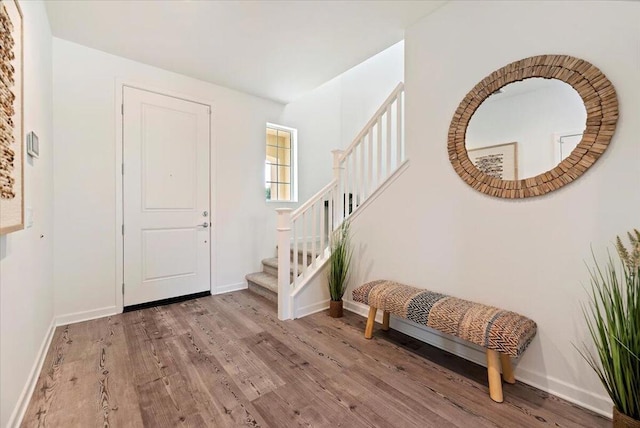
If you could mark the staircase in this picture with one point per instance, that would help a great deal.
(265, 283)
(372, 161)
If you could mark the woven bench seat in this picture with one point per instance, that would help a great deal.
(502, 333)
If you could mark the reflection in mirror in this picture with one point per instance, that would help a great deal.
(544, 117)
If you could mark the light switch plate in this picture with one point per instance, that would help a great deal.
(33, 145)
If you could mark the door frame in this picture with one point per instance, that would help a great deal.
(557, 158)
(120, 84)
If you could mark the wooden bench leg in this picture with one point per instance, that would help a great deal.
(385, 320)
(507, 369)
(368, 331)
(493, 371)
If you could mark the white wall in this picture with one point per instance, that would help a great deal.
(26, 258)
(530, 119)
(85, 175)
(331, 116)
(432, 230)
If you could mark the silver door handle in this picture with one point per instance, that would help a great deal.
(205, 224)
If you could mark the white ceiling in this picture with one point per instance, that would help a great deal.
(274, 49)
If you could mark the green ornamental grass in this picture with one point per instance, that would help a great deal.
(340, 261)
(613, 318)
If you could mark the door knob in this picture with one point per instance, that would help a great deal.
(205, 224)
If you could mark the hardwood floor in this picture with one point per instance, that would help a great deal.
(227, 360)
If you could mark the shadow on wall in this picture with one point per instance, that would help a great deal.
(3, 247)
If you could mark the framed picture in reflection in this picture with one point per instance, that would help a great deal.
(499, 161)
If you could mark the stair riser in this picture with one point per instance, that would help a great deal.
(261, 291)
(270, 270)
(274, 271)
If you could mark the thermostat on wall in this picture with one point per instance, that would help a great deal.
(33, 145)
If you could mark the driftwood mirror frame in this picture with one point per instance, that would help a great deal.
(600, 101)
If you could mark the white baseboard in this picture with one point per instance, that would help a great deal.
(600, 404)
(360, 309)
(572, 393)
(86, 315)
(23, 401)
(229, 288)
(311, 309)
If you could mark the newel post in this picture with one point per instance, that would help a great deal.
(339, 199)
(284, 264)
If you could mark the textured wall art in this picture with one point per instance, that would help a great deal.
(499, 161)
(11, 133)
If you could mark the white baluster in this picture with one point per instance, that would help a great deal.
(363, 183)
(356, 174)
(388, 171)
(338, 175)
(347, 184)
(357, 184)
(354, 189)
(323, 219)
(313, 235)
(379, 136)
(284, 248)
(304, 244)
(349, 169)
(399, 130)
(295, 225)
(370, 151)
(332, 198)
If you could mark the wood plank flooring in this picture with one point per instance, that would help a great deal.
(227, 361)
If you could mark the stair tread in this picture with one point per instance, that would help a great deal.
(265, 280)
(273, 262)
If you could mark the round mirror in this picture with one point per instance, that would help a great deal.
(532, 126)
(525, 128)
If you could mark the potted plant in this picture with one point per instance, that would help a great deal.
(613, 318)
(339, 263)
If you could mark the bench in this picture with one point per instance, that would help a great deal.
(503, 334)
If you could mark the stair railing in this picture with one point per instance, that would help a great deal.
(358, 171)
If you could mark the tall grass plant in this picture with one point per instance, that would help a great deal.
(613, 319)
(340, 262)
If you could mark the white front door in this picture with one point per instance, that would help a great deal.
(165, 197)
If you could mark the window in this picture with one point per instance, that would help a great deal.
(280, 164)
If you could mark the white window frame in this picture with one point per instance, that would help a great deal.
(293, 163)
